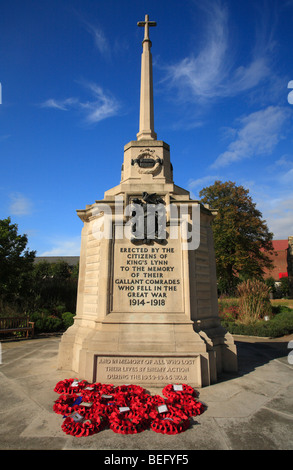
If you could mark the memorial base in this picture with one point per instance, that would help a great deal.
(147, 354)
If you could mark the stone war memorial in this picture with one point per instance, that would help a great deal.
(147, 307)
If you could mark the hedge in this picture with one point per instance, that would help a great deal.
(280, 324)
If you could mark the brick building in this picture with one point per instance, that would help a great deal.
(282, 259)
(279, 259)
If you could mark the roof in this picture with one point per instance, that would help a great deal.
(280, 245)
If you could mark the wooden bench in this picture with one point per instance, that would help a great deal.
(13, 324)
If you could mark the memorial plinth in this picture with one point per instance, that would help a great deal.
(147, 309)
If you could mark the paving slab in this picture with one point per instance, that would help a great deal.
(249, 410)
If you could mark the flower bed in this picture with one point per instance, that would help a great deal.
(280, 322)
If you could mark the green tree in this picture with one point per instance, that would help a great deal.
(284, 287)
(54, 285)
(16, 263)
(75, 272)
(60, 270)
(270, 282)
(242, 239)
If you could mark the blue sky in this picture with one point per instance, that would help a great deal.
(70, 76)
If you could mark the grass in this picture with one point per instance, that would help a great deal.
(284, 302)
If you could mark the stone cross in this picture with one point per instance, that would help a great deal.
(146, 114)
(146, 23)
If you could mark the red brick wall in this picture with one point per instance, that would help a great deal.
(279, 259)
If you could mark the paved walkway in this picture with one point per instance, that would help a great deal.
(250, 410)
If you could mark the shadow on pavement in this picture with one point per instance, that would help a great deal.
(253, 353)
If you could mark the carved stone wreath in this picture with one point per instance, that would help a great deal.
(147, 162)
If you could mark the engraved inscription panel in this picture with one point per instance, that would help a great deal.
(147, 278)
(147, 369)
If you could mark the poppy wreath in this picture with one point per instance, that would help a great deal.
(128, 422)
(89, 407)
(93, 388)
(171, 412)
(106, 406)
(85, 407)
(68, 386)
(169, 391)
(85, 427)
(141, 408)
(155, 400)
(107, 389)
(121, 399)
(94, 392)
(188, 404)
(130, 389)
(65, 403)
(140, 398)
(96, 386)
(170, 422)
(90, 395)
(98, 409)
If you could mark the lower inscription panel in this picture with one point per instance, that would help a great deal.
(147, 370)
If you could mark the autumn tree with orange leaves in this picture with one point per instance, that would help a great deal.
(241, 236)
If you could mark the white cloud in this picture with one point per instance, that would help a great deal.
(274, 198)
(200, 182)
(202, 74)
(99, 37)
(196, 185)
(64, 105)
(245, 78)
(20, 205)
(258, 134)
(279, 214)
(288, 176)
(64, 247)
(212, 73)
(100, 40)
(101, 106)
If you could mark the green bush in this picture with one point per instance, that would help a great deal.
(284, 286)
(52, 323)
(45, 322)
(270, 282)
(67, 319)
(281, 309)
(279, 325)
(59, 309)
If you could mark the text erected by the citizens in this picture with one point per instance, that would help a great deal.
(147, 278)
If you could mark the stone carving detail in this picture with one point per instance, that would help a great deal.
(150, 232)
(147, 162)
